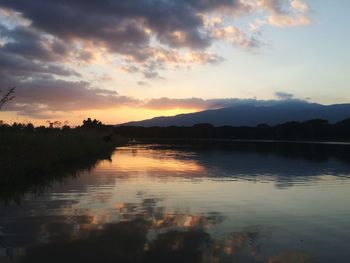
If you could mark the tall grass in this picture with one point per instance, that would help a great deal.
(36, 158)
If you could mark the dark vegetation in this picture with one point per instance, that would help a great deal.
(312, 130)
(32, 157)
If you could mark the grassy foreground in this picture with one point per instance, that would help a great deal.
(37, 158)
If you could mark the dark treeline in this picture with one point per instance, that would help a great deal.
(57, 126)
(313, 130)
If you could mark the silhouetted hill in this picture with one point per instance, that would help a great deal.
(254, 113)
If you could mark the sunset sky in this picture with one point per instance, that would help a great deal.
(129, 60)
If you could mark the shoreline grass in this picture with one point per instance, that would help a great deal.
(32, 160)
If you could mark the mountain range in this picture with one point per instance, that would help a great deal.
(250, 113)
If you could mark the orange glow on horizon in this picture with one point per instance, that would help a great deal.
(107, 116)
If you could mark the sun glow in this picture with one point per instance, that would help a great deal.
(111, 116)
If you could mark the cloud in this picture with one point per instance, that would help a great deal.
(162, 58)
(284, 96)
(32, 44)
(206, 104)
(300, 6)
(295, 16)
(286, 20)
(27, 53)
(235, 36)
(15, 65)
(282, 14)
(120, 25)
(76, 30)
(142, 83)
(168, 103)
(42, 97)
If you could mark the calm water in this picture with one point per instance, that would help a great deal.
(166, 204)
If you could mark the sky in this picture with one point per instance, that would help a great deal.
(128, 60)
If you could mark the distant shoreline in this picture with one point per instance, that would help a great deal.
(312, 131)
(141, 140)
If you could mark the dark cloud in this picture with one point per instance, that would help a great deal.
(168, 103)
(16, 65)
(125, 27)
(203, 104)
(41, 97)
(32, 44)
(284, 96)
(120, 24)
(28, 53)
(138, 30)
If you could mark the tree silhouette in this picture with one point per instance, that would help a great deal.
(91, 124)
(8, 96)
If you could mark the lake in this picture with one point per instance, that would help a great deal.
(261, 202)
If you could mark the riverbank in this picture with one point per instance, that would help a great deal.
(35, 158)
